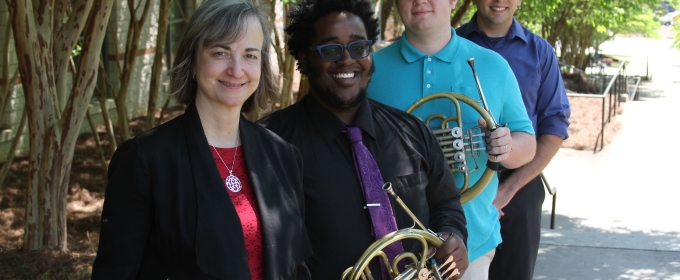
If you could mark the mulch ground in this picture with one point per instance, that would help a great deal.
(586, 123)
(86, 197)
(84, 205)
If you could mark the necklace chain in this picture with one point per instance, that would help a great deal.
(232, 182)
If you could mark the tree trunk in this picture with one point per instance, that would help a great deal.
(287, 87)
(52, 135)
(385, 11)
(5, 89)
(157, 69)
(559, 24)
(460, 13)
(7, 93)
(276, 43)
(132, 43)
(37, 88)
(288, 70)
(101, 96)
(95, 135)
(64, 42)
(12, 149)
(585, 36)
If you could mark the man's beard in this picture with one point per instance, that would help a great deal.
(330, 98)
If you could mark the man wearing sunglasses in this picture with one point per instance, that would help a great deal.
(332, 44)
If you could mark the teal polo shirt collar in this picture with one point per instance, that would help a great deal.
(411, 54)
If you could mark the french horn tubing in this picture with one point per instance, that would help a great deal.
(453, 140)
(420, 267)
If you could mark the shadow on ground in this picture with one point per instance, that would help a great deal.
(575, 251)
(602, 263)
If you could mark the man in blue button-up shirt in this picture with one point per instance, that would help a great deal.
(520, 193)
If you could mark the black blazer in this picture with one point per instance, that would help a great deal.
(167, 213)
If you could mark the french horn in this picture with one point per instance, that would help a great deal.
(459, 144)
(420, 267)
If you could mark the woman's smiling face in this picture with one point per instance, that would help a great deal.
(229, 74)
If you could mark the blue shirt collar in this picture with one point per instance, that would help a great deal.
(516, 29)
(411, 54)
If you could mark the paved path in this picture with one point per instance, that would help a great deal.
(618, 209)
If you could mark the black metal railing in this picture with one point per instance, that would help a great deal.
(616, 86)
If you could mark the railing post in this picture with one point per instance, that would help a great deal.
(612, 88)
(617, 90)
(553, 193)
(647, 73)
(602, 128)
(622, 86)
(609, 95)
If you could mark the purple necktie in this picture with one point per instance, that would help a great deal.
(371, 181)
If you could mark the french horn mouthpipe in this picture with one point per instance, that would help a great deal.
(471, 62)
(490, 164)
(387, 187)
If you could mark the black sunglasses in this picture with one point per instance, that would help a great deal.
(333, 52)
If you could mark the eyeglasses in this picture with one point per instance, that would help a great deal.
(333, 52)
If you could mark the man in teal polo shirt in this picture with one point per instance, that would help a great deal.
(431, 58)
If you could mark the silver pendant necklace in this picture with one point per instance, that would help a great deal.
(232, 182)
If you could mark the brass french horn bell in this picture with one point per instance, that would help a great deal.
(420, 267)
(458, 144)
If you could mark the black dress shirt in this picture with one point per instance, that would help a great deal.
(407, 154)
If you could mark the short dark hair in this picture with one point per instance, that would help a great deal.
(222, 21)
(308, 12)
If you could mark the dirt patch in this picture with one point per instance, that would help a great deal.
(84, 206)
(586, 123)
(86, 197)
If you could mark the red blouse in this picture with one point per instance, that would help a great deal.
(246, 206)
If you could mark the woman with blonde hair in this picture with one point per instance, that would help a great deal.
(209, 195)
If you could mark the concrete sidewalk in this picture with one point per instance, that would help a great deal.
(616, 210)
